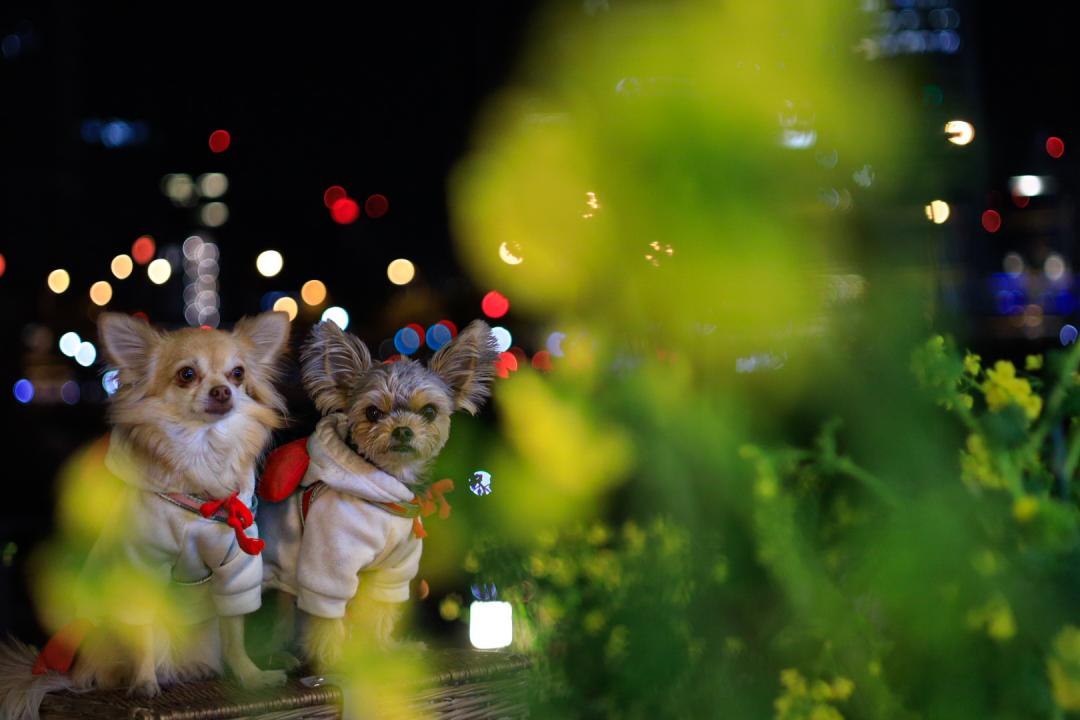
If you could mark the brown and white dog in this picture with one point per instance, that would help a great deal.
(348, 542)
(193, 413)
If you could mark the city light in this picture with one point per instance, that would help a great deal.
(288, 306)
(401, 271)
(313, 292)
(220, 141)
(937, 211)
(959, 132)
(214, 214)
(1029, 185)
(1055, 147)
(143, 249)
(86, 354)
(344, 211)
(991, 221)
(69, 343)
(336, 315)
(159, 271)
(101, 293)
(121, 266)
(269, 263)
(213, 185)
(59, 280)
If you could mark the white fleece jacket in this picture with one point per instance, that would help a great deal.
(196, 558)
(346, 541)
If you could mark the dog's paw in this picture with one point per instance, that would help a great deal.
(284, 660)
(262, 678)
(145, 688)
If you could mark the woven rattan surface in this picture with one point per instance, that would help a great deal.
(463, 684)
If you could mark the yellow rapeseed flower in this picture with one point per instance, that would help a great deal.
(1033, 363)
(1063, 666)
(972, 364)
(976, 467)
(1025, 508)
(1003, 388)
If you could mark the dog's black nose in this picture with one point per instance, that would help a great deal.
(220, 393)
(402, 434)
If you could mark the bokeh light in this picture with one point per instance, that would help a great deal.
(59, 280)
(1028, 185)
(1054, 267)
(437, 336)
(213, 185)
(991, 221)
(288, 306)
(554, 343)
(101, 293)
(110, 381)
(1068, 334)
(959, 132)
(1013, 263)
(69, 343)
(542, 361)
(419, 330)
(400, 271)
(214, 214)
(336, 315)
(24, 390)
(495, 304)
(449, 325)
(220, 141)
(313, 292)
(70, 393)
(937, 211)
(159, 271)
(344, 211)
(376, 206)
(406, 341)
(179, 188)
(1055, 147)
(508, 256)
(480, 483)
(121, 266)
(269, 263)
(86, 354)
(143, 249)
(503, 338)
(3, 264)
(332, 194)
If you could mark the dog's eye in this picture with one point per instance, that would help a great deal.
(238, 373)
(373, 414)
(185, 375)
(429, 413)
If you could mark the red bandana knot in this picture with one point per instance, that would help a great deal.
(239, 518)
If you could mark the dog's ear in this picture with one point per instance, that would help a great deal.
(128, 343)
(265, 335)
(467, 365)
(330, 362)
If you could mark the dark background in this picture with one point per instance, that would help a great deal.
(380, 98)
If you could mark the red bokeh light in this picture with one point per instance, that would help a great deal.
(520, 354)
(506, 364)
(542, 361)
(141, 316)
(449, 326)
(1055, 147)
(345, 211)
(3, 264)
(143, 249)
(495, 304)
(991, 221)
(376, 206)
(419, 331)
(1020, 201)
(392, 359)
(332, 195)
(219, 141)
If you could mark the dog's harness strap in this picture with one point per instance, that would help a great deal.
(231, 511)
(402, 509)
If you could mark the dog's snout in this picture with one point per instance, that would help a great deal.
(402, 434)
(220, 393)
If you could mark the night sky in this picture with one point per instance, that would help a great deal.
(377, 98)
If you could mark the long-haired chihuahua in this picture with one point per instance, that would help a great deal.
(194, 410)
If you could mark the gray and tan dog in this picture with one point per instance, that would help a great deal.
(348, 541)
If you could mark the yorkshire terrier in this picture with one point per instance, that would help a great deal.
(347, 543)
(193, 412)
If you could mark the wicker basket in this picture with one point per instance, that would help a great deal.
(465, 684)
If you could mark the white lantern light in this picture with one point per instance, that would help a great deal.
(491, 624)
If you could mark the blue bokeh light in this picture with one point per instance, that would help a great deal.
(406, 341)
